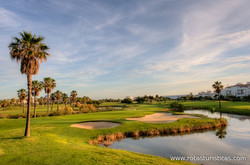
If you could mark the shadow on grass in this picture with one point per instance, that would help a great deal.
(8, 138)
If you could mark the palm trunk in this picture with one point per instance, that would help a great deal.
(219, 101)
(23, 107)
(57, 105)
(34, 106)
(48, 103)
(27, 129)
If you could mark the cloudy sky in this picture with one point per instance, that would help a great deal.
(115, 48)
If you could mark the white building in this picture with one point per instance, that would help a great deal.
(206, 94)
(238, 90)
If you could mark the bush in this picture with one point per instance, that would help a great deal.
(212, 109)
(78, 104)
(177, 107)
(127, 100)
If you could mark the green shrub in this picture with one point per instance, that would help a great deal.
(212, 109)
(177, 107)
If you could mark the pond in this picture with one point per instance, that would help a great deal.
(218, 145)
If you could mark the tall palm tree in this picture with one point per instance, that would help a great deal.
(29, 50)
(52, 98)
(65, 98)
(218, 87)
(22, 94)
(48, 85)
(37, 87)
(73, 98)
(58, 95)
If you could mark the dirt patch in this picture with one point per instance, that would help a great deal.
(96, 125)
(162, 118)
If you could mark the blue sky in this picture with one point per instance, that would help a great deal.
(115, 48)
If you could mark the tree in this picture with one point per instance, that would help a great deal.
(221, 133)
(127, 101)
(5, 103)
(73, 98)
(53, 98)
(48, 85)
(12, 101)
(29, 50)
(37, 87)
(22, 94)
(65, 98)
(41, 101)
(140, 99)
(218, 87)
(58, 95)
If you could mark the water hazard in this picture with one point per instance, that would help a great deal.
(227, 143)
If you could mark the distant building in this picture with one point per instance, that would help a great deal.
(206, 94)
(238, 90)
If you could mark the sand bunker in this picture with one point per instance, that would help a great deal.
(161, 118)
(96, 125)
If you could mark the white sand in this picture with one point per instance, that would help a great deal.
(96, 125)
(161, 118)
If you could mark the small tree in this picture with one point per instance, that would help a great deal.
(218, 87)
(22, 94)
(12, 101)
(58, 95)
(65, 98)
(127, 101)
(37, 87)
(73, 98)
(53, 99)
(48, 85)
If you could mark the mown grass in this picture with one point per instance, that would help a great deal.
(241, 108)
(53, 141)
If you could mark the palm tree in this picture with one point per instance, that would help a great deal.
(53, 98)
(65, 98)
(29, 50)
(218, 87)
(41, 101)
(36, 89)
(22, 94)
(221, 133)
(58, 95)
(73, 98)
(48, 84)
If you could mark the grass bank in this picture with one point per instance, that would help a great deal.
(240, 108)
(53, 141)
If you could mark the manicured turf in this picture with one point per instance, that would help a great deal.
(53, 141)
(241, 108)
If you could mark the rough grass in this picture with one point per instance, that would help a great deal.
(53, 141)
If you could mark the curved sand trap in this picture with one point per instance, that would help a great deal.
(162, 118)
(96, 125)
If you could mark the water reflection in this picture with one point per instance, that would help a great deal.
(231, 141)
(221, 133)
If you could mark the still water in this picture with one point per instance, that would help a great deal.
(231, 141)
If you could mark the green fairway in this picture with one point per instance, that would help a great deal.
(53, 141)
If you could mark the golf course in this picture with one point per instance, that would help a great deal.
(54, 141)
